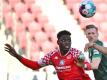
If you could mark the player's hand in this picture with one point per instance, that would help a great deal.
(10, 50)
(80, 64)
(81, 57)
(88, 45)
(80, 60)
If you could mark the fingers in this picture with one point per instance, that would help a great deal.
(8, 45)
(86, 48)
(8, 48)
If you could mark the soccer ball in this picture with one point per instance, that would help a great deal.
(87, 9)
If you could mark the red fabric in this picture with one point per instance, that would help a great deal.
(65, 65)
(86, 77)
(88, 66)
(31, 64)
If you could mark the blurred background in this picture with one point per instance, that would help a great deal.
(31, 27)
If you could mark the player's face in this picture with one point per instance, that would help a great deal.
(64, 42)
(92, 34)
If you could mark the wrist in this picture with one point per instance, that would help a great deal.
(18, 57)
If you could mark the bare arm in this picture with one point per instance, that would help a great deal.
(28, 63)
(95, 63)
(95, 60)
(96, 46)
(100, 48)
(12, 51)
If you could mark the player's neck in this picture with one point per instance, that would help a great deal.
(63, 52)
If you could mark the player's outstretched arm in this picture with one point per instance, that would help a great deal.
(28, 63)
(96, 46)
(12, 51)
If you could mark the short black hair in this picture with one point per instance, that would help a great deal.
(91, 26)
(63, 32)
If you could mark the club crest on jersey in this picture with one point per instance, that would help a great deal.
(61, 62)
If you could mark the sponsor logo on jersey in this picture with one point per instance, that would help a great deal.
(63, 68)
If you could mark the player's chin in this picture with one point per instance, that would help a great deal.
(92, 40)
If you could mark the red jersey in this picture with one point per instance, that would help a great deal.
(65, 66)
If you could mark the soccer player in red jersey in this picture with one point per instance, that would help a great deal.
(68, 62)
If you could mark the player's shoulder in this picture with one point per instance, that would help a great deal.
(53, 52)
(74, 50)
(99, 42)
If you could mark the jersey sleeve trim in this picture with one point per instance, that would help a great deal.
(97, 55)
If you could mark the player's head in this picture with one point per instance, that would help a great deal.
(64, 40)
(91, 32)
